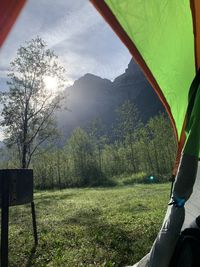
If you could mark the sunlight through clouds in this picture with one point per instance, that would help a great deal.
(51, 83)
(77, 34)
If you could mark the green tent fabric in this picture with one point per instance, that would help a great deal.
(163, 33)
(163, 38)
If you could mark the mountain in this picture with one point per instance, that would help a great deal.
(91, 96)
(133, 85)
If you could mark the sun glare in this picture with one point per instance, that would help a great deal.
(51, 83)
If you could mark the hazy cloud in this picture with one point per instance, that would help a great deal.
(77, 33)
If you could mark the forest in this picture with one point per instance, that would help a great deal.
(128, 150)
(127, 153)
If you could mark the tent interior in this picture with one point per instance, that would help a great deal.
(192, 211)
(192, 206)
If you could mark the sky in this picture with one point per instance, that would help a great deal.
(76, 32)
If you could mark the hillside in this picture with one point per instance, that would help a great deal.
(92, 96)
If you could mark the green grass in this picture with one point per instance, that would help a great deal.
(88, 227)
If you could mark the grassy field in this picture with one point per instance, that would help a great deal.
(88, 227)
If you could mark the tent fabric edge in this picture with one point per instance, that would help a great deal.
(195, 6)
(192, 7)
(105, 11)
(179, 150)
(11, 16)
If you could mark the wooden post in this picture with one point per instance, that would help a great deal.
(34, 223)
(4, 220)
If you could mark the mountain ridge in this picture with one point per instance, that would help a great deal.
(92, 96)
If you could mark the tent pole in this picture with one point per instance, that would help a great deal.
(172, 180)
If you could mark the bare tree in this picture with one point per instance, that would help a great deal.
(29, 104)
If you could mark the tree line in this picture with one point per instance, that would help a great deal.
(126, 152)
(129, 152)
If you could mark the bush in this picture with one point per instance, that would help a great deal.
(130, 179)
(93, 177)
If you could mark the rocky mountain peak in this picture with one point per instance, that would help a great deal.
(92, 96)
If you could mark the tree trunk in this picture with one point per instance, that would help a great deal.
(58, 169)
(156, 158)
(99, 156)
(24, 152)
(24, 143)
(132, 155)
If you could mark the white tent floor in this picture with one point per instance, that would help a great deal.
(192, 206)
(192, 210)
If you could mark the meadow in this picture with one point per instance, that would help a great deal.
(88, 227)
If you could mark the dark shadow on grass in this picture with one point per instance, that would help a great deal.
(62, 196)
(31, 257)
(52, 198)
(134, 209)
(117, 243)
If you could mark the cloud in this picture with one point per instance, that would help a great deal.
(77, 33)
